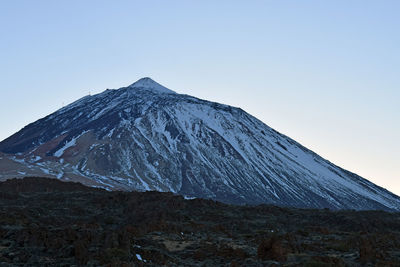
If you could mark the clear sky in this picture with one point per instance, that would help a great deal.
(325, 73)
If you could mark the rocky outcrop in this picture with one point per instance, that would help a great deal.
(46, 222)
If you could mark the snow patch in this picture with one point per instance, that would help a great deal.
(69, 144)
(46, 171)
(61, 151)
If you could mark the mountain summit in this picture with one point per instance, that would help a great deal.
(150, 84)
(147, 137)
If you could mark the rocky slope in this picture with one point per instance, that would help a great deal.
(45, 222)
(147, 137)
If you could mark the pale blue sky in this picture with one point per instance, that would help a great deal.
(326, 73)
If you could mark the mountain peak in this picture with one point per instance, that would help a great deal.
(145, 137)
(150, 84)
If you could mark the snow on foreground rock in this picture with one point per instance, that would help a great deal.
(147, 137)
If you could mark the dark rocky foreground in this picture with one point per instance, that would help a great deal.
(45, 222)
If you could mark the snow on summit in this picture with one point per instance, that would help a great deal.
(147, 137)
(150, 84)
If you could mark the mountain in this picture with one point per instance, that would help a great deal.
(147, 137)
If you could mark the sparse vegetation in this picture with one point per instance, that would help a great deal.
(45, 222)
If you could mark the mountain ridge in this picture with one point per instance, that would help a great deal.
(152, 138)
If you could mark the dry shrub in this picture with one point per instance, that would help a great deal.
(272, 249)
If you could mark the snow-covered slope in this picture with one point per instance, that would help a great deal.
(147, 137)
